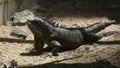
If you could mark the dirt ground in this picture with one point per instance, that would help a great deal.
(103, 54)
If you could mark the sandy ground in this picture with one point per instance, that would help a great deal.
(104, 54)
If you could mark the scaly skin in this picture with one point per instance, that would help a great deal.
(63, 38)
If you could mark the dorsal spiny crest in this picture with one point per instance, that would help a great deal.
(57, 24)
(62, 26)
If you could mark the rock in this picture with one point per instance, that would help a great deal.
(19, 33)
(20, 18)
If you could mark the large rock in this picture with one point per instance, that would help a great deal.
(18, 33)
(20, 18)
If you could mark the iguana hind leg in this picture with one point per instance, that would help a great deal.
(104, 34)
(98, 27)
(90, 38)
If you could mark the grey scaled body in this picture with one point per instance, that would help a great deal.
(64, 38)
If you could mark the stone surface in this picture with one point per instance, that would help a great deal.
(18, 33)
(21, 17)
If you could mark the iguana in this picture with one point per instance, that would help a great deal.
(64, 38)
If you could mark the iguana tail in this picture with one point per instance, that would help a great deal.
(98, 27)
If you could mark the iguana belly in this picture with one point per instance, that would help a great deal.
(68, 38)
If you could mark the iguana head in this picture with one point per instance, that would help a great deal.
(35, 22)
(40, 24)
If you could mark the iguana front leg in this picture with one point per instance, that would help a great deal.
(38, 45)
(56, 46)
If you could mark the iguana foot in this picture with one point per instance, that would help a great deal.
(55, 51)
(55, 54)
